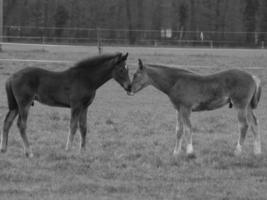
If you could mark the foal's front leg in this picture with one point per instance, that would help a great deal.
(179, 134)
(184, 124)
(75, 113)
(186, 112)
(83, 129)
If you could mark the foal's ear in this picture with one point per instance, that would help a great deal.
(120, 58)
(123, 58)
(140, 63)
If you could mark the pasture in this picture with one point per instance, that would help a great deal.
(131, 138)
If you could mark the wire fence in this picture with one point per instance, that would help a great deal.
(155, 38)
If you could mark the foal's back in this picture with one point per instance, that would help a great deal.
(35, 75)
(32, 83)
(208, 92)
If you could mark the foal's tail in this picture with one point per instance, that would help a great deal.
(12, 103)
(257, 94)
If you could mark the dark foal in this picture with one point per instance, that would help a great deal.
(73, 88)
(189, 92)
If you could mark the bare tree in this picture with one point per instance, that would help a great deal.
(251, 8)
(263, 21)
(131, 35)
(183, 16)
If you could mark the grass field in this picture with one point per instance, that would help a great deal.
(131, 139)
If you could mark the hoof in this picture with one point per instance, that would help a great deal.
(257, 153)
(29, 154)
(82, 151)
(176, 153)
(67, 149)
(3, 150)
(237, 152)
(191, 156)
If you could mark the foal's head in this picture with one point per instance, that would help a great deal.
(121, 72)
(140, 79)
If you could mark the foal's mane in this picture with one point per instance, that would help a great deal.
(94, 62)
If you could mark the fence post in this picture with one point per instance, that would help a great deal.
(211, 44)
(262, 44)
(99, 42)
(43, 43)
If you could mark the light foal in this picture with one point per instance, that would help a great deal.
(191, 92)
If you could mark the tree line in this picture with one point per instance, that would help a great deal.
(239, 21)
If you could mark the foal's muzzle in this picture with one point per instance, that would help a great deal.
(128, 89)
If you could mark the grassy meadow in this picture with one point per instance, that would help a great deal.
(130, 139)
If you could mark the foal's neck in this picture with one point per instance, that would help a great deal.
(95, 77)
(160, 79)
(103, 75)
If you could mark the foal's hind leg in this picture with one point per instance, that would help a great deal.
(243, 128)
(75, 113)
(11, 115)
(254, 127)
(22, 125)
